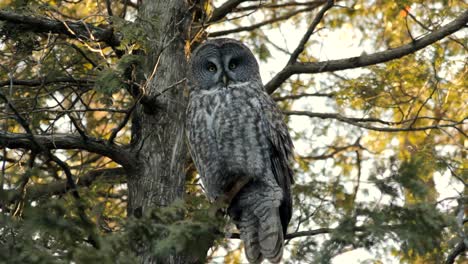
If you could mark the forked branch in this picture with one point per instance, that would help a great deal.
(367, 59)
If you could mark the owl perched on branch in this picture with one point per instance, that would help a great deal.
(240, 145)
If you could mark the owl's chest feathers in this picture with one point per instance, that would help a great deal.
(215, 104)
(224, 108)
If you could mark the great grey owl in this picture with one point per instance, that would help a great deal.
(238, 139)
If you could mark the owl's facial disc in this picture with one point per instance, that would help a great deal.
(223, 63)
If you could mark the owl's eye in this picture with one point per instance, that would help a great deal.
(211, 67)
(232, 65)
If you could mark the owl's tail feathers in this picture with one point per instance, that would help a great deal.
(262, 234)
(248, 227)
(270, 235)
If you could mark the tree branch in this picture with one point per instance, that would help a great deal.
(301, 46)
(46, 81)
(37, 191)
(68, 28)
(335, 151)
(367, 59)
(69, 141)
(298, 96)
(274, 5)
(460, 248)
(122, 124)
(226, 8)
(109, 8)
(360, 122)
(266, 22)
(313, 232)
(39, 148)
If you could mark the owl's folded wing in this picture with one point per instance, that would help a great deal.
(281, 148)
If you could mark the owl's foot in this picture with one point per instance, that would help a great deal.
(224, 201)
(234, 189)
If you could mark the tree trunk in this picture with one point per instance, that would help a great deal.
(160, 141)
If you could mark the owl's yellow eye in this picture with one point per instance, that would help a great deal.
(232, 65)
(211, 67)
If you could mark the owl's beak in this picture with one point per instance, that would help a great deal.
(225, 80)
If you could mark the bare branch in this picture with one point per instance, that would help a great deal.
(459, 249)
(361, 122)
(78, 126)
(274, 5)
(68, 28)
(297, 96)
(122, 124)
(300, 47)
(367, 59)
(313, 232)
(258, 25)
(46, 81)
(82, 53)
(295, 234)
(335, 151)
(226, 8)
(23, 122)
(39, 148)
(109, 8)
(51, 110)
(19, 203)
(68, 141)
(309, 233)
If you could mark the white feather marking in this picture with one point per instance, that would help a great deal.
(238, 85)
(211, 91)
(217, 93)
(223, 89)
(210, 116)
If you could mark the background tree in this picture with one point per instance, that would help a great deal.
(94, 161)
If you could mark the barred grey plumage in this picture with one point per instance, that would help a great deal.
(235, 130)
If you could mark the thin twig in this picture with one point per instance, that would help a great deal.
(297, 96)
(301, 46)
(125, 120)
(71, 184)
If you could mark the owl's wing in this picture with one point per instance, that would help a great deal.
(193, 134)
(281, 148)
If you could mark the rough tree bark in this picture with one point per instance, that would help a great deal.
(160, 145)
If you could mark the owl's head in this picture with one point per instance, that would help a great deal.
(221, 63)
